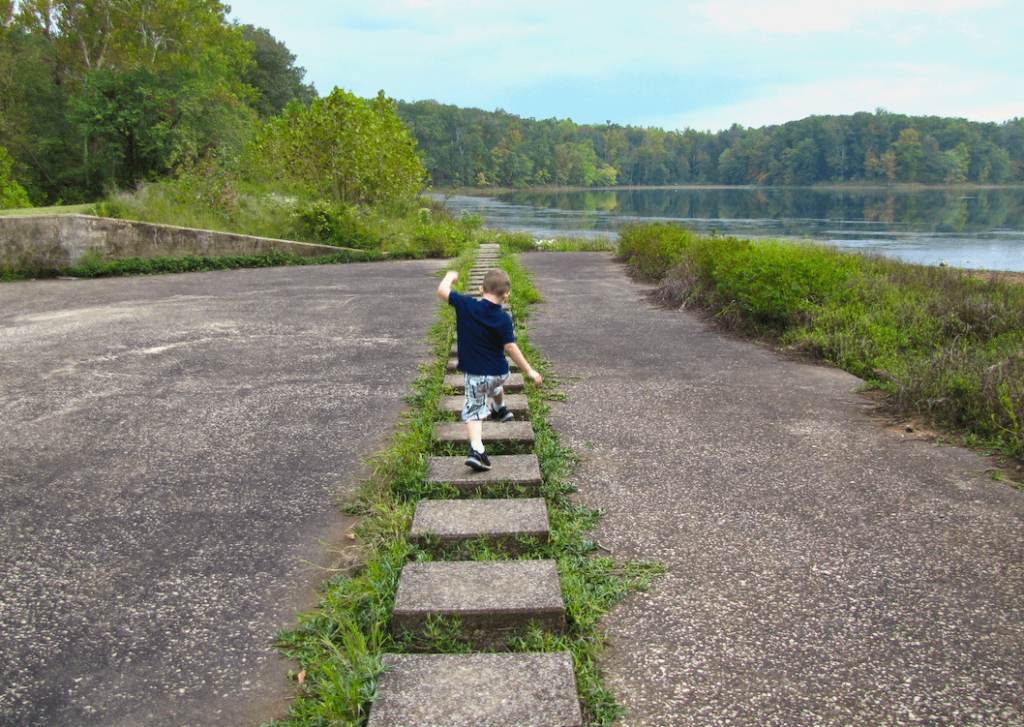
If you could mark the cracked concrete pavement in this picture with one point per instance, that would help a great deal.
(169, 449)
(820, 569)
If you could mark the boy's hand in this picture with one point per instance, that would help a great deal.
(446, 285)
(513, 352)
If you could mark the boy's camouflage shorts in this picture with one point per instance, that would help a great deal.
(478, 388)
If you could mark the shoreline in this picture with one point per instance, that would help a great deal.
(828, 187)
(1006, 276)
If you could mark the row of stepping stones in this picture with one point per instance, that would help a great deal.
(493, 600)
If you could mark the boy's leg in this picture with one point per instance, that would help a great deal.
(474, 411)
(499, 412)
(475, 429)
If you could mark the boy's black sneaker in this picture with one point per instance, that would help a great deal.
(502, 414)
(478, 460)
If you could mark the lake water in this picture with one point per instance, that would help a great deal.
(977, 228)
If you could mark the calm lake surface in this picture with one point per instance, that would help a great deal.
(978, 228)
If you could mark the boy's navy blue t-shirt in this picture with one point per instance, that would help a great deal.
(483, 329)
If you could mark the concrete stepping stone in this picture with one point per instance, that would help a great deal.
(516, 403)
(513, 384)
(452, 521)
(494, 600)
(492, 432)
(517, 469)
(477, 690)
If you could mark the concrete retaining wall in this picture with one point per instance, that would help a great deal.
(59, 241)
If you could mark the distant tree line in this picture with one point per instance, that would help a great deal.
(101, 94)
(471, 147)
(97, 95)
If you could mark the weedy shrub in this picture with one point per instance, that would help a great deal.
(944, 344)
(651, 249)
(327, 223)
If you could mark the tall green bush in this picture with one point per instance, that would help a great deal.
(342, 147)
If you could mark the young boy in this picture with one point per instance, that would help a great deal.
(485, 335)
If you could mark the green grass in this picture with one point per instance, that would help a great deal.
(211, 198)
(409, 229)
(944, 345)
(338, 646)
(80, 209)
(94, 267)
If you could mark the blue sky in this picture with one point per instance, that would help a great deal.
(702, 64)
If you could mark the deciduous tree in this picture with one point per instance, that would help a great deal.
(344, 147)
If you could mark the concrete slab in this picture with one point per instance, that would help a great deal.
(513, 384)
(517, 404)
(519, 469)
(494, 600)
(493, 432)
(454, 520)
(477, 690)
(170, 447)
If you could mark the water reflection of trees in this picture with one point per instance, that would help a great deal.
(935, 210)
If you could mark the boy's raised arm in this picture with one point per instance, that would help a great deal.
(446, 285)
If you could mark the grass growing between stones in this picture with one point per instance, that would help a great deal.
(339, 645)
(944, 345)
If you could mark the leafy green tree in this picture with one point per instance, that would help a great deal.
(12, 194)
(1012, 140)
(958, 161)
(575, 164)
(932, 168)
(802, 163)
(76, 63)
(343, 147)
(730, 167)
(273, 74)
(890, 165)
(130, 123)
(908, 154)
(836, 154)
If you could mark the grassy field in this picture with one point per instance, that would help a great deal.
(944, 344)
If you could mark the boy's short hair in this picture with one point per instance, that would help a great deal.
(497, 283)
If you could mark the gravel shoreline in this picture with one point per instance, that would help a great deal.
(1004, 275)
